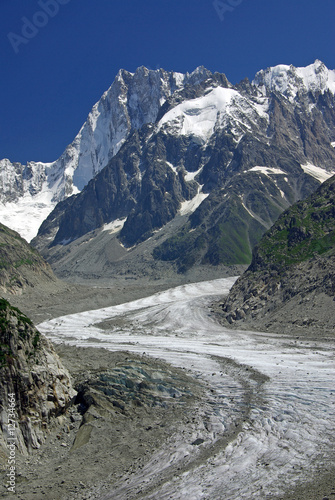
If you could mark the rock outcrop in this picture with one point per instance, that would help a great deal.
(290, 284)
(21, 266)
(35, 388)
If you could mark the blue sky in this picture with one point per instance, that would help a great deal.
(59, 56)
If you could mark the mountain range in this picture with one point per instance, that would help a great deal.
(192, 164)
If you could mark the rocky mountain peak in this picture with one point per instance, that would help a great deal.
(228, 159)
(289, 80)
(189, 116)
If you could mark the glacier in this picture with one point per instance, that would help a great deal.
(287, 430)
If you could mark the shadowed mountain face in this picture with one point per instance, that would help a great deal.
(227, 159)
(290, 284)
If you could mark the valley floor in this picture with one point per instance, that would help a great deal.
(202, 412)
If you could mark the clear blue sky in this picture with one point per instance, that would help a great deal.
(51, 75)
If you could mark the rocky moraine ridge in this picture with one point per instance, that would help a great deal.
(21, 266)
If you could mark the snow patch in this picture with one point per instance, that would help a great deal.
(318, 173)
(114, 226)
(247, 210)
(198, 116)
(189, 206)
(27, 213)
(189, 176)
(267, 170)
(170, 165)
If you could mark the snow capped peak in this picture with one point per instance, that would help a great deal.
(288, 80)
(199, 104)
(133, 100)
(197, 76)
(317, 76)
(217, 108)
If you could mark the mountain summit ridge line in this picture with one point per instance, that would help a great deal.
(133, 101)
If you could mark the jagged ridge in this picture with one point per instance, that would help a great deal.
(228, 159)
(133, 100)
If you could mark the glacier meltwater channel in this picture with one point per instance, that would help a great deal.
(287, 434)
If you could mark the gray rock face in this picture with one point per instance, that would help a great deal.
(32, 381)
(21, 267)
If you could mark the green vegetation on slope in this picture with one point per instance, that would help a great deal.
(306, 229)
(223, 235)
(20, 263)
(15, 325)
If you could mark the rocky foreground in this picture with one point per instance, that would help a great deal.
(33, 383)
(127, 408)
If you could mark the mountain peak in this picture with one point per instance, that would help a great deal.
(288, 80)
(194, 106)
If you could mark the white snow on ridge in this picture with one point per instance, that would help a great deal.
(267, 170)
(288, 79)
(170, 165)
(198, 116)
(246, 208)
(317, 76)
(114, 226)
(189, 176)
(318, 173)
